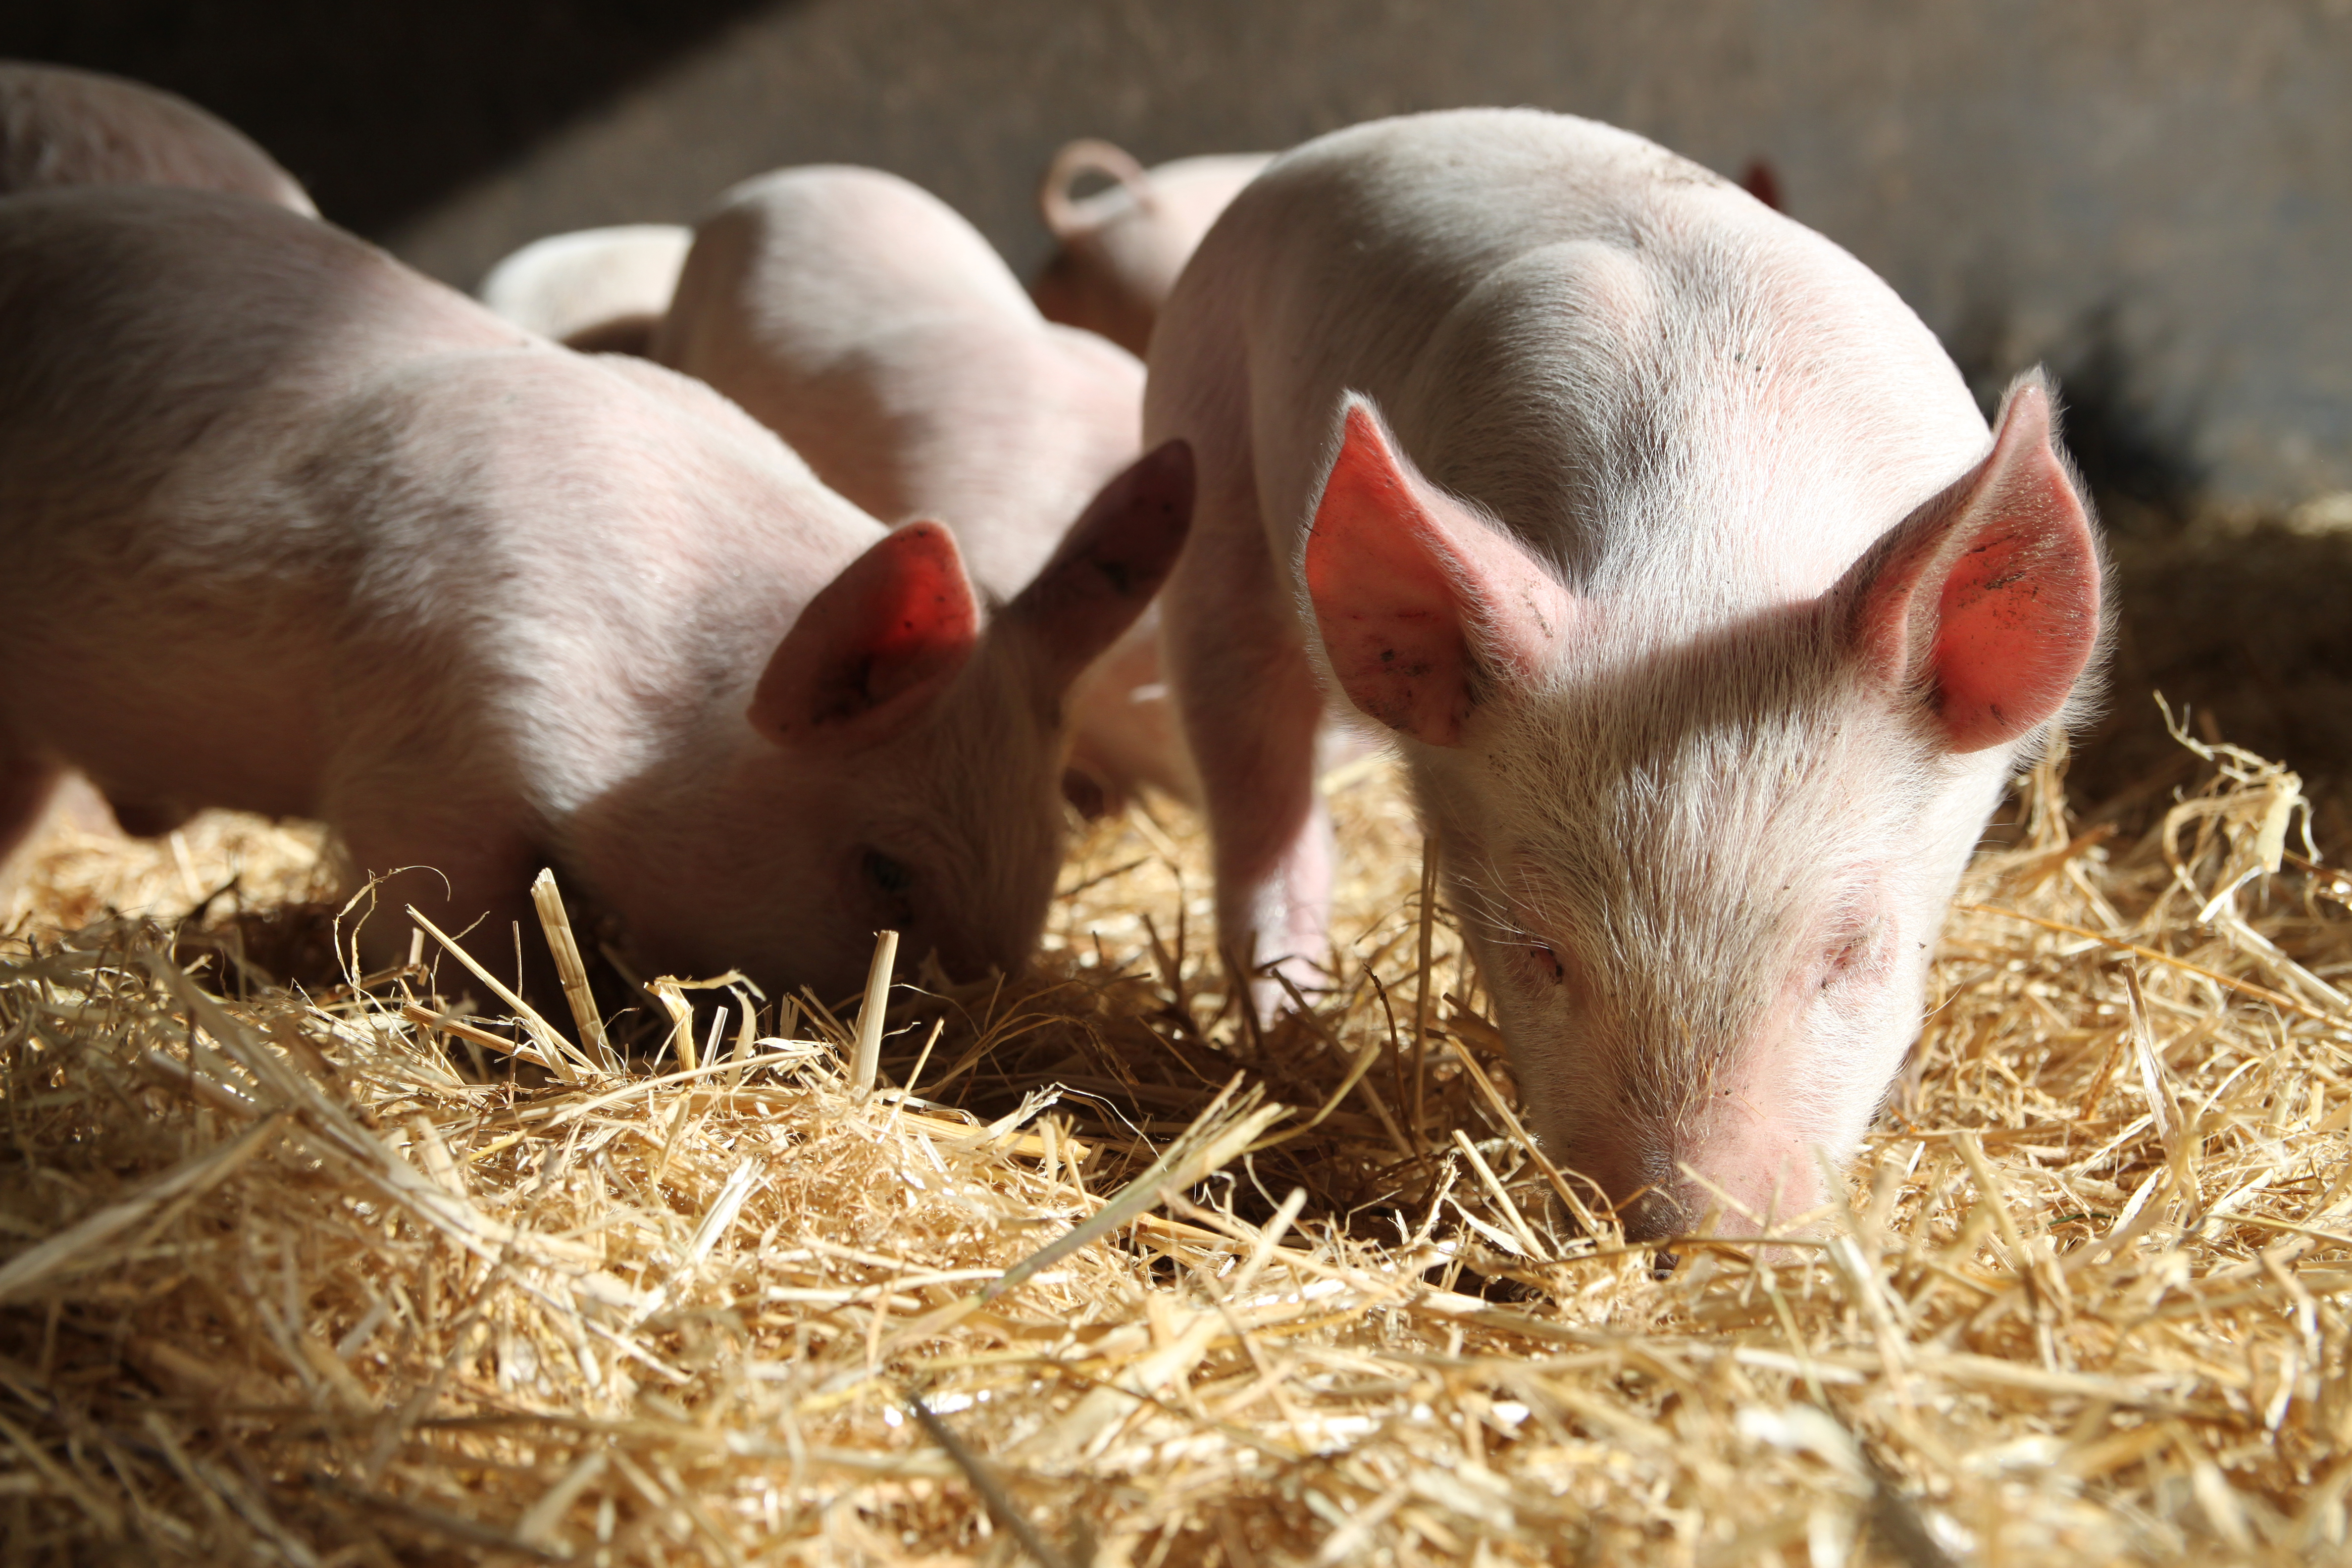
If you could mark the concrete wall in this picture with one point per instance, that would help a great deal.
(2155, 196)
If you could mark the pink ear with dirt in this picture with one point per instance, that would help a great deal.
(875, 647)
(1988, 597)
(1425, 609)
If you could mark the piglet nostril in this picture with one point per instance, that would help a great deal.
(1657, 1203)
(1652, 1213)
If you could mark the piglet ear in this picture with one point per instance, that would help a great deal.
(1111, 562)
(1987, 597)
(874, 647)
(1423, 605)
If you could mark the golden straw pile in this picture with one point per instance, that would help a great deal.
(311, 1276)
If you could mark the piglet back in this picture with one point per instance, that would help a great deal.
(65, 127)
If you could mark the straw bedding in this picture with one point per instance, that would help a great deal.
(319, 1273)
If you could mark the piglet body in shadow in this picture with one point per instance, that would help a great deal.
(1120, 250)
(290, 528)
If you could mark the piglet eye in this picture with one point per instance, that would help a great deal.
(889, 888)
(888, 876)
(1853, 949)
(1547, 962)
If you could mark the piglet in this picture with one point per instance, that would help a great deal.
(288, 527)
(597, 290)
(1121, 248)
(1675, 557)
(65, 127)
(864, 320)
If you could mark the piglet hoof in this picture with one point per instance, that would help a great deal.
(1281, 987)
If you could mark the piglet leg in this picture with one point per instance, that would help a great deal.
(1251, 708)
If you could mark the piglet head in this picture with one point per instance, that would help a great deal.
(1703, 865)
(917, 741)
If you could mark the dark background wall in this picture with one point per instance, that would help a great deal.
(383, 111)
